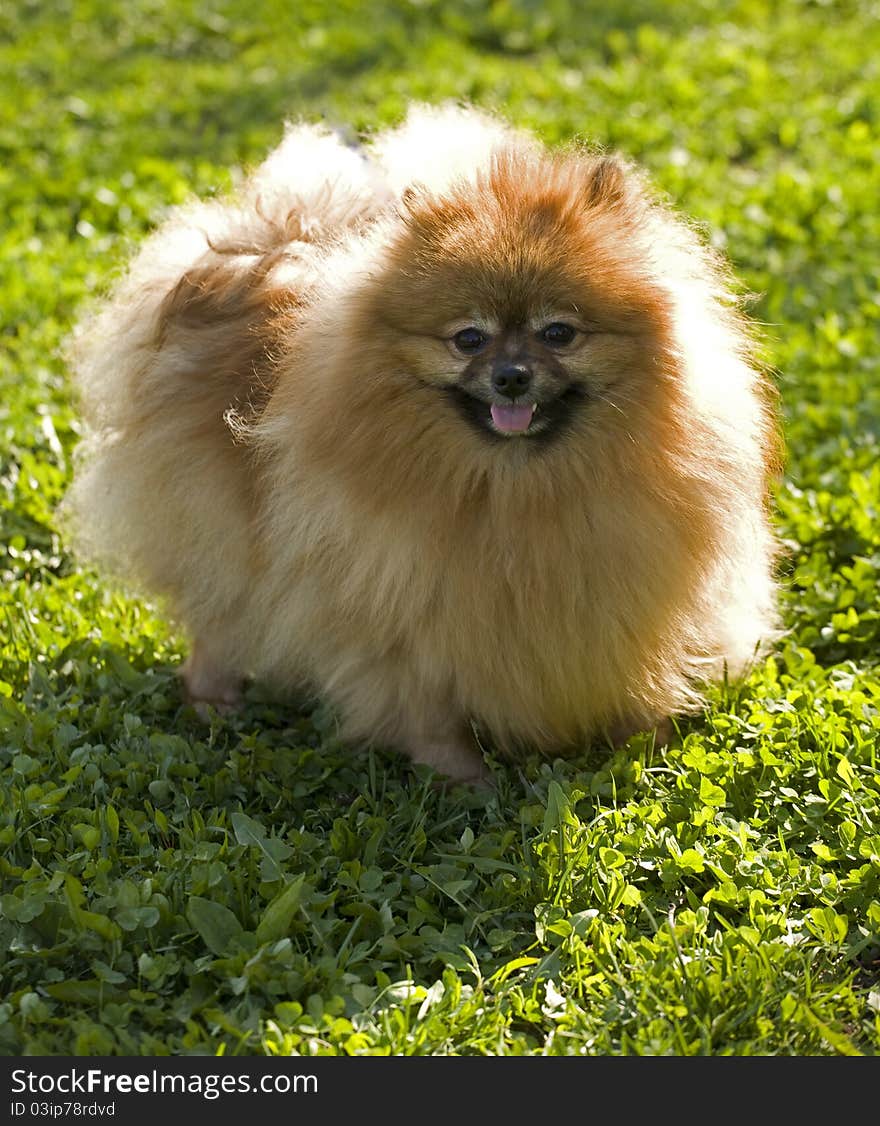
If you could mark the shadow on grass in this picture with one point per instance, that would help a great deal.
(114, 695)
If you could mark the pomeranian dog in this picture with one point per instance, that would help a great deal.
(456, 432)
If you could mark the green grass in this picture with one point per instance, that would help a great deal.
(256, 887)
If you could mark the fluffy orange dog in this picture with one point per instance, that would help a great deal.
(467, 432)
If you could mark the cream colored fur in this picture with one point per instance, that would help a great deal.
(269, 451)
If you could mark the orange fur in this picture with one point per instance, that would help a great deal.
(346, 529)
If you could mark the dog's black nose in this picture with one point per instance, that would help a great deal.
(512, 380)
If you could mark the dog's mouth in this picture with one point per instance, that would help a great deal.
(543, 419)
(511, 418)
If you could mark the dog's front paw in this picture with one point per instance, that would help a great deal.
(457, 759)
(208, 685)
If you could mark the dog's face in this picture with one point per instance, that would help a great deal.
(511, 376)
(516, 300)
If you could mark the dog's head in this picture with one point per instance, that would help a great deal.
(517, 300)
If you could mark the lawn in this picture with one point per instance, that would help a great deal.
(252, 886)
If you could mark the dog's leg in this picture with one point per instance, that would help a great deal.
(380, 701)
(454, 756)
(210, 681)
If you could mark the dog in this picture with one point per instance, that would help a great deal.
(457, 432)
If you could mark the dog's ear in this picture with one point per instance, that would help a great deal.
(608, 185)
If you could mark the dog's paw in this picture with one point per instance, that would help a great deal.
(209, 687)
(456, 759)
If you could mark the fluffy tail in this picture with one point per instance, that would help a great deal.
(212, 273)
(185, 339)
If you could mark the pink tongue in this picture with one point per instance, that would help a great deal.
(512, 420)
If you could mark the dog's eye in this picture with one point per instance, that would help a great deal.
(469, 340)
(557, 335)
